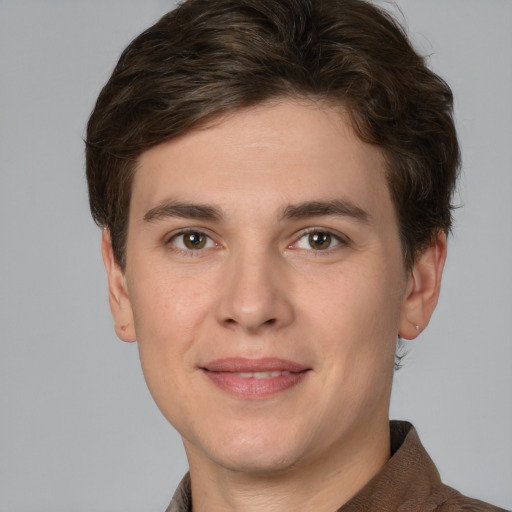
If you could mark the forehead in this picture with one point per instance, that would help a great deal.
(262, 158)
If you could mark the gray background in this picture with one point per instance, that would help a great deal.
(78, 429)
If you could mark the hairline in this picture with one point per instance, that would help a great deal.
(303, 98)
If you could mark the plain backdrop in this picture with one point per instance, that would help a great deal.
(78, 429)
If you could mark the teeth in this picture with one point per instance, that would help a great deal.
(261, 375)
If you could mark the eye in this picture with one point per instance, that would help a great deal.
(192, 241)
(318, 240)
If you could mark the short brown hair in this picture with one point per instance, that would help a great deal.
(207, 58)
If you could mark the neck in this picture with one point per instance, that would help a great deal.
(321, 483)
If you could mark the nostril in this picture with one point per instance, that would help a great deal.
(250, 326)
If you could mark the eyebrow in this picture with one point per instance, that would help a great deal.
(337, 207)
(182, 210)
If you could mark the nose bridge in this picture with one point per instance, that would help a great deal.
(254, 293)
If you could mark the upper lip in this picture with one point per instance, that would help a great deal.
(242, 364)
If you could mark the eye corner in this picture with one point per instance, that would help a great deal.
(319, 240)
(190, 241)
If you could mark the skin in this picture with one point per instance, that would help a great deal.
(258, 288)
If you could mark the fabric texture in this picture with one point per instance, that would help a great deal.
(408, 482)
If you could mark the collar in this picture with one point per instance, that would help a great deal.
(409, 481)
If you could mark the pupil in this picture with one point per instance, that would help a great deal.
(320, 240)
(195, 240)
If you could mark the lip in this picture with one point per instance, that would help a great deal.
(231, 375)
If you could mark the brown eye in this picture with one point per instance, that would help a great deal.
(320, 240)
(194, 240)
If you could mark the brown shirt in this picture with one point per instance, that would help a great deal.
(408, 482)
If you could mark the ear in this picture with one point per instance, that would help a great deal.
(423, 289)
(118, 297)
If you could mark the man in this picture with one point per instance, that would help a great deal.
(274, 182)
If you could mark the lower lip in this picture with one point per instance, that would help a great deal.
(252, 388)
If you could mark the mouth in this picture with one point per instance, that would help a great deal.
(261, 375)
(254, 378)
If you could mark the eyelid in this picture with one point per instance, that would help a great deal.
(168, 240)
(342, 239)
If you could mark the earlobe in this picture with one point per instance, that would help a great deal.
(423, 289)
(118, 297)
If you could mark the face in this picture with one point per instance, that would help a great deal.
(265, 286)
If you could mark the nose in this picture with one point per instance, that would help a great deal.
(254, 295)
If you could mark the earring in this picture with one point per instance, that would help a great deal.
(417, 328)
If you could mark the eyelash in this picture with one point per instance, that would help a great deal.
(171, 241)
(337, 238)
(340, 240)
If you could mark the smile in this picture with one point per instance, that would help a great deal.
(254, 378)
(261, 375)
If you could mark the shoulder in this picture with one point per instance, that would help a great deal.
(454, 501)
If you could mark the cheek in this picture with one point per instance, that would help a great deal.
(166, 312)
(167, 306)
(361, 300)
(358, 320)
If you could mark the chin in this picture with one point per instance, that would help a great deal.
(251, 453)
(258, 461)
